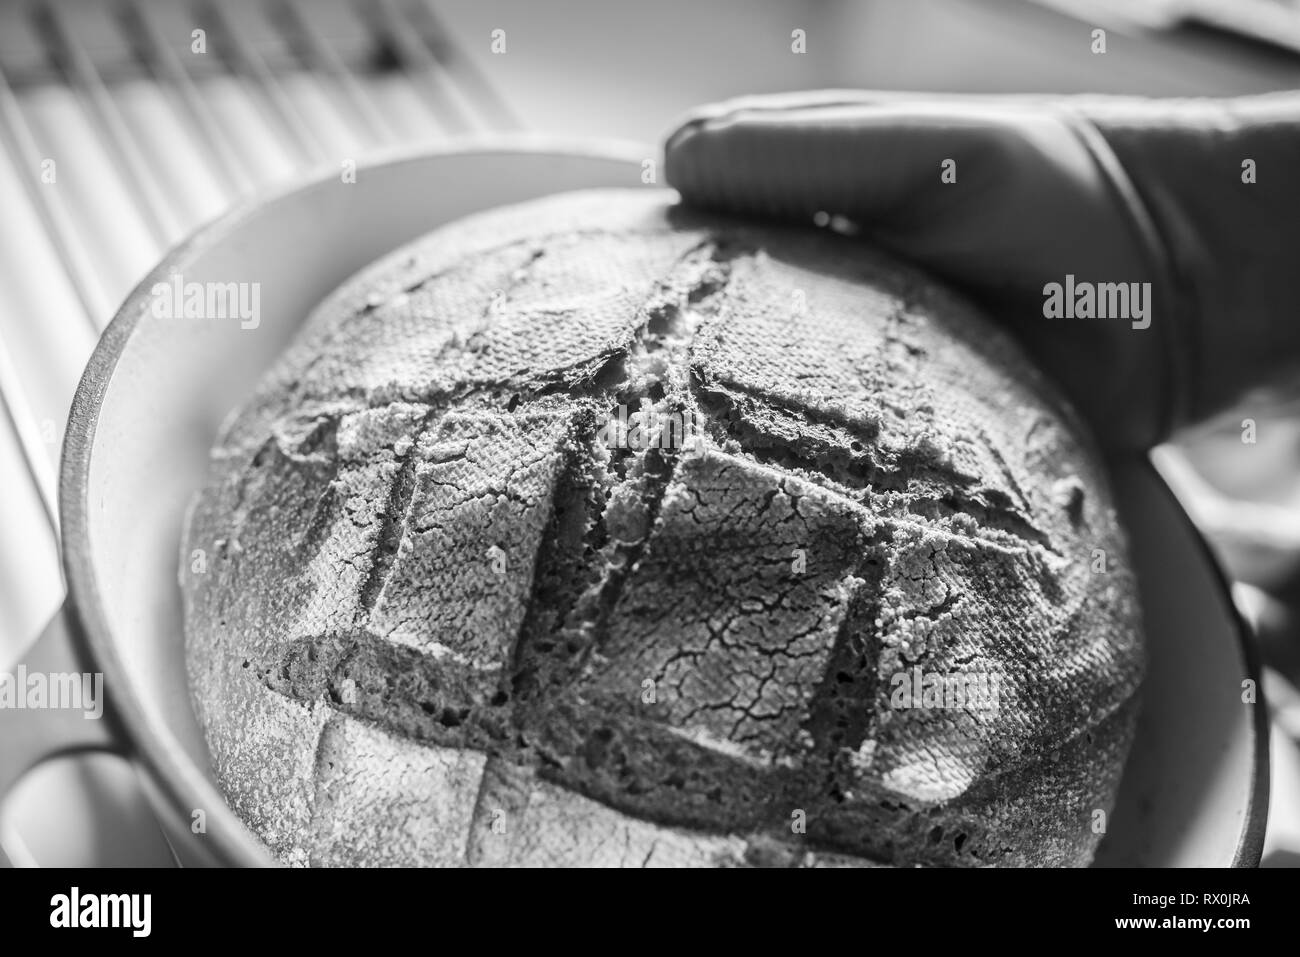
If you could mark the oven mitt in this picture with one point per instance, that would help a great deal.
(1029, 203)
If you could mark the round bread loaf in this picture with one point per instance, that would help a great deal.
(594, 531)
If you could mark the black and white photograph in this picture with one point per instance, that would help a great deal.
(851, 434)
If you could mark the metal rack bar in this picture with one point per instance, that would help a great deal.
(306, 143)
(415, 54)
(168, 69)
(22, 423)
(321, 54)
(80, 70)
(48, 205)
(470, 73)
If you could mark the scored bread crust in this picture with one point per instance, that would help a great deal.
(444, 623)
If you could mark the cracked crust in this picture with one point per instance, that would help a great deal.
(446, 623)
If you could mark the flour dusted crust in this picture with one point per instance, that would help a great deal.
(445, 624)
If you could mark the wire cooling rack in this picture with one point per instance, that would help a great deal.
(123, 125)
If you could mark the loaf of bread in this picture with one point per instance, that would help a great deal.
(595, 531)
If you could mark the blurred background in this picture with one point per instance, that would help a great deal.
(154, 129)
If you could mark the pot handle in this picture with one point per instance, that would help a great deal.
(34, 732)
